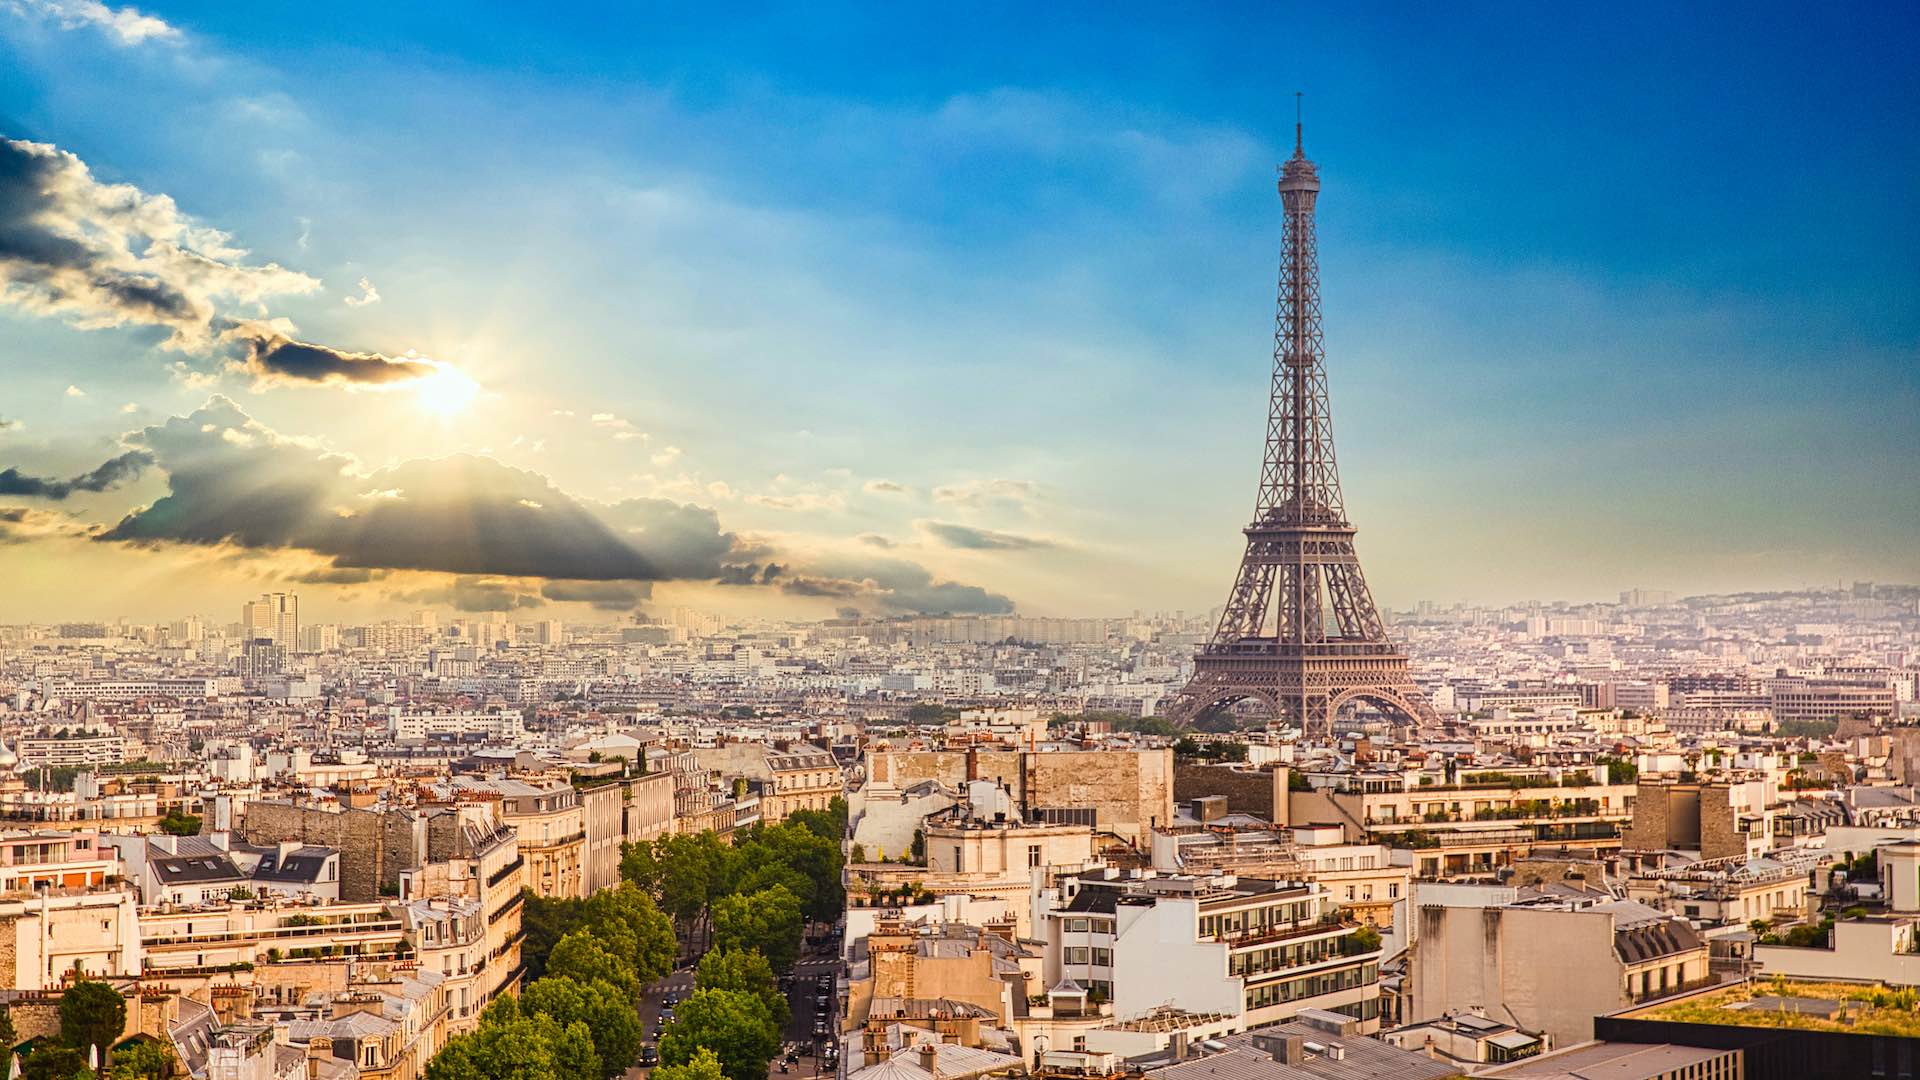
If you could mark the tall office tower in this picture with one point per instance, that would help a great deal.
(274, 617)
(1300, 631)
(427, 619)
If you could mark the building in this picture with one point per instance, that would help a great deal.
(1256, 949)
(1513, 960)
(1629, 1061)
(58, 912)
(1782, 1030)
(1315, 1046)
(551, 826)
(274, 617)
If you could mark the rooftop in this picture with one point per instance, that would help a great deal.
(1850, 1008)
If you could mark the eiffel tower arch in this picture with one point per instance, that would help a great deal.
(1300, 631)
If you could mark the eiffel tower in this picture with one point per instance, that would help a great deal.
(1300, 631)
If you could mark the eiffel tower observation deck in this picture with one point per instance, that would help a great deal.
(1300, 631)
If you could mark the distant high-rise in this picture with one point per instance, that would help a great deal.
(1300, 630)
(274, 617)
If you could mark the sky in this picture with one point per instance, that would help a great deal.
(789, 311)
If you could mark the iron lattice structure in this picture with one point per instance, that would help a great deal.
(1300, 630)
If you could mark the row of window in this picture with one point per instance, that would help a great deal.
(1080, 954)
(1284, 990)
(1281, 957)
(1255, 919)
(1082, 926)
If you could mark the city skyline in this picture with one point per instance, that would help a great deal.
(959, 335)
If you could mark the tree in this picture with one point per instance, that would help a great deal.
(768, 920)
(51, 1062)
(628, 922)
(604, 1008)
(858, 854)
(7, 1032)
(704, 1065)
(543, 922)
(1363, 940)
(581, 957)
(179, 824)
(92, 1014)
(732, 1024)
(747, 971)
(142, 1059)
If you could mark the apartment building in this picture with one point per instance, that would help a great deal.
(57, 911)
(1513, 959)
(551, 826)
(1254, 949)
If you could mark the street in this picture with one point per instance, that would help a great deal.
(802, 991)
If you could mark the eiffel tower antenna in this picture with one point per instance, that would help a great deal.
(1300, 631)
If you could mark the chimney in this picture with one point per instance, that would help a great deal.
(928, 1055)
(973, 763)
(1295, 1050)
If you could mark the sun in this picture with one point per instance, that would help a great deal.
(445, 392)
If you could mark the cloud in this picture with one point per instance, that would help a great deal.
(276, 357)
(107, 255)
(893, 585)
(102, 255)
(622, 429)
(978, 494)
(337, 575)
(24, 524)
(876, 540)
(884, 487)
(603, 595)
(74, 391)
(802, 501)
(111, 473)
(474, 594)
(972, 539)
(368, 295)
(9, 425)
(125, 25)
(233, 480)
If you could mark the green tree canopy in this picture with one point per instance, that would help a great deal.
(747, 971)
(179, 824)
(768, 921)
(628, 922)
(704, 1065)
(53, 1062)
(92, 1014)
(142, 1059)
(582, 957)
(509, 1046)
(732, 1024)
(605, 1009)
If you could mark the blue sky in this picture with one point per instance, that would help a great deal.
(972, 308)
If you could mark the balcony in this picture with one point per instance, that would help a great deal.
(1267, 935)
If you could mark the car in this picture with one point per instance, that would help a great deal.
(671, 998)
(648, 1055)
(819, 1027)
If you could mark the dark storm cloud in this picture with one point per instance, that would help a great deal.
(109, 473)
(894, 586)
(972, 539)
(603, 595)
(273, 355)
(471, 594)
(337, 576)
(233, 480)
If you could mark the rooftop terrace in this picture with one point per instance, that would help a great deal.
(1850, 1008)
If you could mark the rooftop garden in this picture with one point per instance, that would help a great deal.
(1778, 1002)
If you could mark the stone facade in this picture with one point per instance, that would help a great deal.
(1262, 793)
(375, 845)
(1130, 791)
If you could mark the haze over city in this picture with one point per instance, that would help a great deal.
(401, 307)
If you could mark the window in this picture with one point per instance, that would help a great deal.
(1076, 954)
(1103, 957)
(1076, 926)
(1393, 891)
(1033, 855)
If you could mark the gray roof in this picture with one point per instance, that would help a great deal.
(1610, 1061)
(303, 866)
(1363, 1059)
